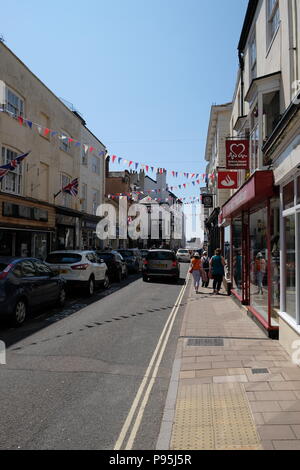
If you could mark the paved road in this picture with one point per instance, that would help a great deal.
(71, 376)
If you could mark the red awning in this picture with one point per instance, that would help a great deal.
(258, 188)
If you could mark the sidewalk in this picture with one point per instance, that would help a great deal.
(231, 386)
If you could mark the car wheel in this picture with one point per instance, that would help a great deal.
(106, 282)
(20, 313)
(145, 278)
(62, 297)
(119, 276)
(90, 290)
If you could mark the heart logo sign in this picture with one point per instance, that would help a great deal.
(237, 154)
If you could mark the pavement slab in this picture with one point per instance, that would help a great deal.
(244, 394)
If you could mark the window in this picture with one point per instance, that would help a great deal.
(288, 195)
(290, 267)
(84, 197)
(28, 269)
(64, 142)
(96, 165)
(11, 183)
(273, 18)
(253, 58)
(67, 198)
(84, 156)
(14, 104)
(42, 269)
(271, 112)
(254, 140)
(45, 124)
(96, 200)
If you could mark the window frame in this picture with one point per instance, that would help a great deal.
(272, 11)
(20, 109)
(17, 174)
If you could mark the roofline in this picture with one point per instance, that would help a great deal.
(216, 108)
(251, 10)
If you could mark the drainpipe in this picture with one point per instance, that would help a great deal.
(242, 68)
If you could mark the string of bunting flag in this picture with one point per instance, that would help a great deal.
(47, 132)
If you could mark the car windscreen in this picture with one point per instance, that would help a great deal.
(63, 258)
(161, 256)
(184, 252)
(126, 254)
(106, 256)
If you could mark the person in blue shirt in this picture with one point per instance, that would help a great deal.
(217, 264)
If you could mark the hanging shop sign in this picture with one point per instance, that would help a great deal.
(227, 180)
(207, 201)
(237, 154)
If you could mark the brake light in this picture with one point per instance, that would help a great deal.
(5, 272)
(146, 262)
(80, 267)
(175, 264)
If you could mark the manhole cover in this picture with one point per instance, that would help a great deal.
(260, 371)
(205, 342)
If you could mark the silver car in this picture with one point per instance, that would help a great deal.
(161, 263)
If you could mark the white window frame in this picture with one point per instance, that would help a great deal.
(272, 11)
(66, 198)
(19, 108)
(293, 211)
(17, 174)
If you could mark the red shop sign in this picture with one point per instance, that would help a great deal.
(227, 180)
(237, 154)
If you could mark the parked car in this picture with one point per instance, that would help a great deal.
(117, 268)
(27, 284)
(161, 263)
(133, 259)
(183, 255)
(82, 268)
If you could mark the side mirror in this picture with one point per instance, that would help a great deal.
(102, 261)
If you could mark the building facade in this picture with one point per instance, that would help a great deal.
(35, 217)
(260, 221)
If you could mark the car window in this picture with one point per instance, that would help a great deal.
(17, 270)
(28, 269)
(42, 269)
(127, 253)
(161, 256)
(118, 257)
(105, 256)
(63, 258)
(92, 258)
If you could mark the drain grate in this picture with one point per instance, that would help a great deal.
(260, 371)
(205, 342)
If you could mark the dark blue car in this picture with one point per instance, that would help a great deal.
(26, 284)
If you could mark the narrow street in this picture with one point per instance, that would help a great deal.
(71, 376)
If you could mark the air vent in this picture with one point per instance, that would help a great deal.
(260, 371)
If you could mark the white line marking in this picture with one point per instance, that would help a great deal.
(129, 419)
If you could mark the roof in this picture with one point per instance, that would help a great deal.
(250, 13)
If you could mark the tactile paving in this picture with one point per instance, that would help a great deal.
(213, 416)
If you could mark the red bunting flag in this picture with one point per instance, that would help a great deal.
(46, 132)
(130, 163)
(21, 120)
(92, 149)
(114, 158)
(147, 168)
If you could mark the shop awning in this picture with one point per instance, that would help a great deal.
(258, 188)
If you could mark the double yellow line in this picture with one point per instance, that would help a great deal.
(141, 399)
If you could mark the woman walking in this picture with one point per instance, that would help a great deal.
(196, 267)
(217, 264)
(205, 270)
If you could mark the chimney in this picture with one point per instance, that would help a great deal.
(161, 179)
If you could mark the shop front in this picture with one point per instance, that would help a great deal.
(68, 226)
(26, 227)
(251, 247)
(89, 239)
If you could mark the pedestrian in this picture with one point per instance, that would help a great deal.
(196, 267)
(205, 269)
(260, 270)
(217, 264)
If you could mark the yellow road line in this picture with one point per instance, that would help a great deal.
(162, 340)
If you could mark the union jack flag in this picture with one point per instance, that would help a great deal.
(13, 164)
(71, 188)
(3, 172)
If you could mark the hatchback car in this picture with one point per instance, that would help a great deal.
(27, 284)
(183, 256)
(117, 268)
(81, 268)
(161, 263)
(133, 259)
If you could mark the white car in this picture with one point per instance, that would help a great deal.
(77, 267)
(183, 256)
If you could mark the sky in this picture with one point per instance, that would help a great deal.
(143, 73)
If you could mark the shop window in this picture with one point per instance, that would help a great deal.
(290, 234)
(289, 196)
(298, 190)
(237, 255)
(259, 262)
(5, 243)
(275, 260)
(227, 252)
